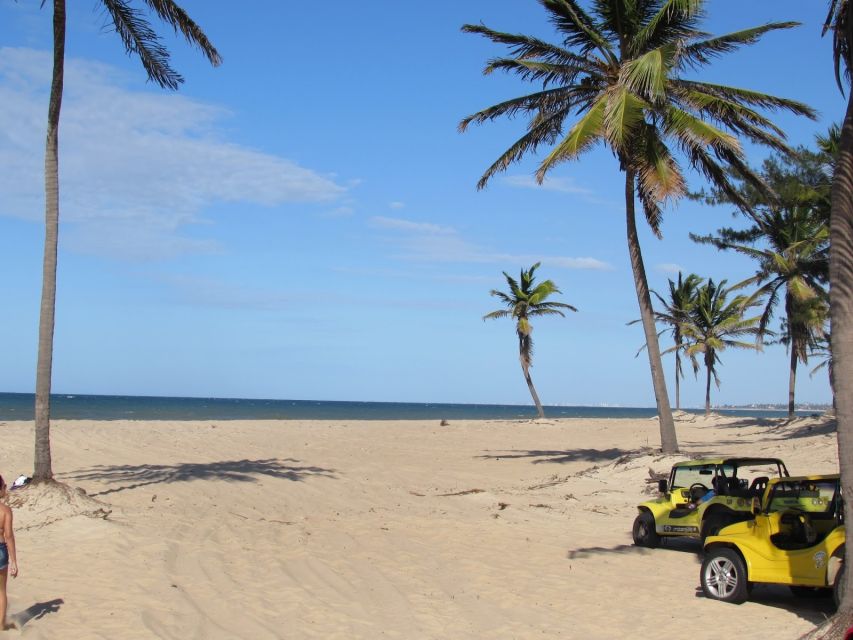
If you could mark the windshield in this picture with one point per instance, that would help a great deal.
(738, 476)
(683, 477)
(812, 496)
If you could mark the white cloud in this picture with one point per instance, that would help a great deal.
(563, 185)
(407, 225)
(426, 242)
(396, 205)
(218, 294)
(669, 268)
(146, 162)
(344, 211)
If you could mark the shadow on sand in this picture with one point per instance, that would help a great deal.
(681, 545)
(563, 457)
(133, 477)
(783, 428)
(813, 610)
(36, 612)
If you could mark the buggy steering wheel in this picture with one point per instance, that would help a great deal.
(693, 491)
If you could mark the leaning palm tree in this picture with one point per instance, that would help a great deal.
(138, 38)
(527, 299)
(714, 325)
(617, 71)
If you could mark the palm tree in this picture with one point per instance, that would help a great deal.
(138, 38)
(821, 348)
(619, 71)
(525, 300)
(793, 264)
(675, 313)
(714, 325)
(676, 310)
(840, 22)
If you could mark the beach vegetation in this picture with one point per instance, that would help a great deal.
(788, 238)
(673, 312)
(617, 77)
(526, 299)
(133, 27)
(716, 323)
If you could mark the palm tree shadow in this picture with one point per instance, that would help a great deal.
(784, 429)
(135, 476)
(563, 457)
(36, 611)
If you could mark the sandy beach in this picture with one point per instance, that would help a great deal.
(348, 529)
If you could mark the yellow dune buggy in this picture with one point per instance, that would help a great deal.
(703, 496)
(796, 538)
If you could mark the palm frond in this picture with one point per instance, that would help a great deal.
(524, 47)
(542, 132)
(674, 20)
(181, 22)
(647, 74)
(500, 313)
(585, 133)
(623, 114)
(546, 73)
(838, 20)
(756, 98)
(549, 100)
(580, 29)
(138, 37)
(702, 53)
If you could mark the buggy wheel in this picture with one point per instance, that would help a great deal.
(838, 586)
(644, 531)
(723, 576)
(712, 524)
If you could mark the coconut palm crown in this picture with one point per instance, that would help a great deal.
(715, 323)
(618, 77)
(527, 299)
(675, 312)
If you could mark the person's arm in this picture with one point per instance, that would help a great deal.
(9, 536)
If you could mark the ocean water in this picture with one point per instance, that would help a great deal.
(19, 406)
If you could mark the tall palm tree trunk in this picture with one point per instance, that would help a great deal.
(540, 412)
(841, 313)
(668, 440)
(707, 389)
(677, 380)
(524, 348)
(43, 468)
(792, 380)
(794, 334)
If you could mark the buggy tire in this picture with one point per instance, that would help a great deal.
(644, 531)
(723, 576)
(838, 586)
(712, 524)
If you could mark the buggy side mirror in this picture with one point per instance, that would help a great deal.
(756, 506)
(662, 486)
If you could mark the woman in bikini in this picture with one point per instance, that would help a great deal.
(8, 559)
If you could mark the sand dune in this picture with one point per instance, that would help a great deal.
(481, 529)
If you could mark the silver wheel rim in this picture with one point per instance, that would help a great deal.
(721, 577)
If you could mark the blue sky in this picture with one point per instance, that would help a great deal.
(303, 221)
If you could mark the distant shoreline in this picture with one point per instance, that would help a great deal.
(19, 406)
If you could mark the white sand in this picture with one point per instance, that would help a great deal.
(480, 529)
